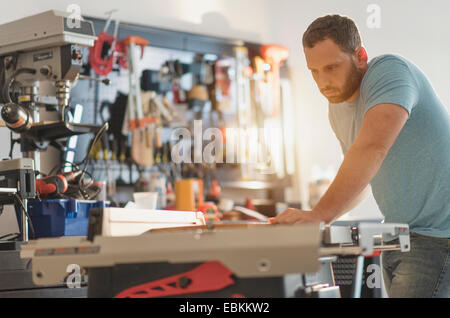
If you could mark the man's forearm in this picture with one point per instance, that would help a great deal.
(359, 198)
(360, 165)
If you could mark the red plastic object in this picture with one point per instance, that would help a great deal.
(101, 67)
(215, 188)
(122, 47)
(140, 123)
(249, 204)
(208, 277)
(172, 207)
(375, 254)
(210, 211)
(43, 188)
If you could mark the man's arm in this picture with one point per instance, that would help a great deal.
(364, 194)
(360, 198)
(380, 128)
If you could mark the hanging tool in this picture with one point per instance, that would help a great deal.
(223, 95)
(223, 83)
(243, 86)
(176, 69)
(117, 113)
(198, 94)
(161, 106)
(173, 112)
(142, 147)
(260, 92)
(243, 74)
(275, 55)
(262, 108)
(197, 97)
(102, 54)
(135, 108)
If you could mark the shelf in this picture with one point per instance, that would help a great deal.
(249, 185)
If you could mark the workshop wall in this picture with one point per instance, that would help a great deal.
(233, 19)
(415, 29)
(221, 18)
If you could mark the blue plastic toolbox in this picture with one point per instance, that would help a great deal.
(55, 218)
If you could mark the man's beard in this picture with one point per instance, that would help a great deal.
(351, 85)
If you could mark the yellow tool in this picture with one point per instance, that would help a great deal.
(189, 194)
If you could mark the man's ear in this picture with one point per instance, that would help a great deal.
(361, 56)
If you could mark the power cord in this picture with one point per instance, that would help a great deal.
(82, 187)
(24, 210)
(85, 161)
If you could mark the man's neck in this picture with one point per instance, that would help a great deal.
(356, 93)
(354, 96)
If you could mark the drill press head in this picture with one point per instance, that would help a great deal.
(41, 56)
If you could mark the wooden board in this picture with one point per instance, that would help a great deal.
(218, 226)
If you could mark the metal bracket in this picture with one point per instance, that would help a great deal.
(390, 232)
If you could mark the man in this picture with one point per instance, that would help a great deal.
(395, 134)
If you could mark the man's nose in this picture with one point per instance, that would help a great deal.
(323, 81)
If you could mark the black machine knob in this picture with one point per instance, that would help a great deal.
(16, 117)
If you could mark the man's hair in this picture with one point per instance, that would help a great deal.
(342, 30)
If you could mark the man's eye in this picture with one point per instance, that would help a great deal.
(331, 67)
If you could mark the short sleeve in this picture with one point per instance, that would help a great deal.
(332, 120)
(389, 81)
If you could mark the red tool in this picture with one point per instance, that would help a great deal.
(55, 184)
(128, 61)
(124, 45)
(275, 55)
(100, 65)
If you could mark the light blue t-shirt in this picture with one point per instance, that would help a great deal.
(413, 183)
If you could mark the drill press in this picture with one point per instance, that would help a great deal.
(40, 60)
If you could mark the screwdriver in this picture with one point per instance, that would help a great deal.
(57, 184)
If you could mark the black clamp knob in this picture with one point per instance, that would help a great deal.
(184, 282)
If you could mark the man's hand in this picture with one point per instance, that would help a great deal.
(293, 216)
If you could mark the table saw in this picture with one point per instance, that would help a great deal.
(209, 260)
